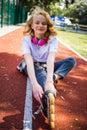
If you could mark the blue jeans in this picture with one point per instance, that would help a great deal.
(61, 68)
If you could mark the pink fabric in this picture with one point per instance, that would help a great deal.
(41, 42)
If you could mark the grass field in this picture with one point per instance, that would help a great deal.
(75, 40)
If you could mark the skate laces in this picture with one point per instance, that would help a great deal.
(45, 103)
(39, 109)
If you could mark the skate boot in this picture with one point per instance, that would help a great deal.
(48, 101)
(21, 67)
(55, 78)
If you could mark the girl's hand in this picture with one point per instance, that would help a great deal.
(51, 87)
(37, 92)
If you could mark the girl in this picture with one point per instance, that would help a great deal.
(39, 48)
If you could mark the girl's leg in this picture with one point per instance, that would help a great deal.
(39, 72)
(62, 67)
(40, 75)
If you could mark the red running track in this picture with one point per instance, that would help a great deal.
(71, 103)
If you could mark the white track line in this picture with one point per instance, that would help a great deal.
(72, 50)
(8, 29)
(27, 123)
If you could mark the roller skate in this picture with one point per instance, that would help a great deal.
(55, 78)
(48, 101)
(22, 68)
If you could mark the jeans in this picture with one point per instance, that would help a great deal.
(61, 68)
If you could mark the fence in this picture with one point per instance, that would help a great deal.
(12, 12)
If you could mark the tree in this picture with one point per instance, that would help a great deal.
(41, 3)
(72, 1)
(66, 3)
(77, 12)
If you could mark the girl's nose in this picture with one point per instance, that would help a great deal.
(40, 24)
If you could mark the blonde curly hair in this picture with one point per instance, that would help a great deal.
(50, 25)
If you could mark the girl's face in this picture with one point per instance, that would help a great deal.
(39, 26)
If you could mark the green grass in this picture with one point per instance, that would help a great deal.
(76, 41)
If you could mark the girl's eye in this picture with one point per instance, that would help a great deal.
(37, 23)
(43, 23)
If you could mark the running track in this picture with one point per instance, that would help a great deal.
(71, 103)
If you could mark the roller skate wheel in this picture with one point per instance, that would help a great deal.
(51, 97)
(52, 125)
(52, 118)
(52, 109)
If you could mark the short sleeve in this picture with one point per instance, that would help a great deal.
(26, 45)
(53, 45)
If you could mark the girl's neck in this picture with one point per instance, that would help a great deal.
(39, 36)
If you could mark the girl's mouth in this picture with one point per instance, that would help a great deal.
(40, 29)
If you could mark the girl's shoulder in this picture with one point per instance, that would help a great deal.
(27, 38)
(52, 38)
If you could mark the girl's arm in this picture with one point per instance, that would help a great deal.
(50, 70)
(36, 88)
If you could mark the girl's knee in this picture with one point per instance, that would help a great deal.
(72, 60)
